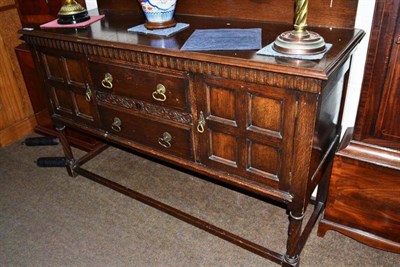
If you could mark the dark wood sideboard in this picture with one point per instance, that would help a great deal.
(364, 194)
(265, 125)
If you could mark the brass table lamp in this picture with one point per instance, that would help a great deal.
(300, 41)
(72, 12)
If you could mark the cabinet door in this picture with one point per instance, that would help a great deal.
(378, 121)
(67, 83)
(388, 122)
(248, 129)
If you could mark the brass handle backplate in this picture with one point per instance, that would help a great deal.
(159, 93)
(116, 125)
(88, 93)
(165, 140)
(398, 40)
(202, 123)
(107, 81)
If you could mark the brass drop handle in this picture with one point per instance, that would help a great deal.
(88, 93)
(116, 125)
(159, 93)
(165, 140)
(202, 123)
(398, 40)
(107, 81)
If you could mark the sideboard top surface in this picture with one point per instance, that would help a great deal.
(112, 32)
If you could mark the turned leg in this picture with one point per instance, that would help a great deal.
(70, 161)
(292, 257)
(322, 195)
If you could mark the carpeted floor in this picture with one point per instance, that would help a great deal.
(50, 219)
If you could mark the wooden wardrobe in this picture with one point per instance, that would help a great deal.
(364, 194)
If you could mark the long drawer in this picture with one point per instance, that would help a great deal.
(165, 89)
(168, 138)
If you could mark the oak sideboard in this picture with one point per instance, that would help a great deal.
(267, 125)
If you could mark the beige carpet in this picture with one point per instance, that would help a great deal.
(50, 219)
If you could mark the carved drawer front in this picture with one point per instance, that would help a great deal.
(166, 89)
(67, 82)
(248, 129)
(174, 140)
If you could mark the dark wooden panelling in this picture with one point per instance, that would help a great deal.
(320, 12)
(379, 100)
(40, 11)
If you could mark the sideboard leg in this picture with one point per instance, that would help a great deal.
(323, 186)
(292, 258)
(70, 160)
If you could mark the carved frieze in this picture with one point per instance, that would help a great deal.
(144, 107)
(183, 64)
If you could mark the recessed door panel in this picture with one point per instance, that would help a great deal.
(74, 72)
(62, 100)
(263, 160)
(265, 113)
(388, 123)
(222, 103)
(53, 67)
(223, 148)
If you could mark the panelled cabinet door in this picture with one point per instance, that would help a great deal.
(388, 122)
(67, 82)
(245, 129)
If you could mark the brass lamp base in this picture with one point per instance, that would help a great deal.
(299, 43)
(71, 13)
(73, 18)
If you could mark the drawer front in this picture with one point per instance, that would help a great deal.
(161, 136)
(166, 89)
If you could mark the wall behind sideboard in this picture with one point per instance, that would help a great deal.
(90, 4)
